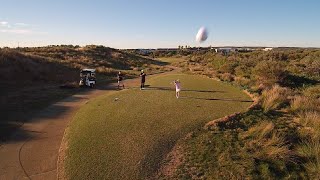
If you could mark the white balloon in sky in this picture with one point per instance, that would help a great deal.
(202, 34)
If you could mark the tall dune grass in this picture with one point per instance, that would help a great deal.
(310, 124)
(303, 104)
(310, 149)
(313, 91)
(227, 77)
(265, 143)
(259, 131)
(273, 98)
(242, 81)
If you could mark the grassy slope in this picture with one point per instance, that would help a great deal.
(223, 153)
(172, 59)
(30, 77)
(28, 84)
(106, 60)
(127, 139)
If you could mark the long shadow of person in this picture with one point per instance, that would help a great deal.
(216, 99)
(186, 90)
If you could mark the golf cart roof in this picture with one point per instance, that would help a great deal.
(88, 70)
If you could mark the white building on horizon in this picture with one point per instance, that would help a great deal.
(267, 49)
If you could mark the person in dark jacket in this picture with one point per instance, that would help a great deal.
(120, 80)
(143, 79)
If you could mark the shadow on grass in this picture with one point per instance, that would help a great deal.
(186, 90)
(151, 162)
(215, 99)
(295, 81)
(152, 159)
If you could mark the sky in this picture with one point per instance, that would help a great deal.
(159, 23)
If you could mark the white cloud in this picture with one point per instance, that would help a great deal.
(21, 31)
(18, 28)
(21, 24)
(4, 24)
(16, 31)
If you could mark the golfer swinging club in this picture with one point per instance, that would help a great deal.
(178, 87)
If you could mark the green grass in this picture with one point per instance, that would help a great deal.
(171, 59)
(232, 151)
(128, 138)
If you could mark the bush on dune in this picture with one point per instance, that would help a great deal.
(259, 131)
(228, 67)
(265, 143)
(273, 98)
(310, 122)
(242, 81)
(242, 70)
(226, 77)
(303, 104)
(24, 69)
(274, 146)
(106, 71)
(310, 150)
(270, 72)
(312, 92)
(311, 65)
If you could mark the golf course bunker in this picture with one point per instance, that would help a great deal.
(126, 134)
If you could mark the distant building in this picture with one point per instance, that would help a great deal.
(244, 49)
(167, 49)
(224, 51)
(267, 49)
(145, 51)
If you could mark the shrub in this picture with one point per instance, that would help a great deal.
(216, 61)
(310, 149)
(311, 65)
(259, 131)
(312, 92)
(228, 67)
(310, 121)
(266, 144)
(270, 72)
(309, 118)
(106, 71)
(273, 99)
(227, 77)
(242, 81)
(243, 70)
(197, 68)
(303, 104)
(273, 149)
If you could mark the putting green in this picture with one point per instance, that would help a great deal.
(127, 138)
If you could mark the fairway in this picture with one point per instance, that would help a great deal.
(172, 59)
(127, 138)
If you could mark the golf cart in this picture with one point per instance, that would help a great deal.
(87, 78)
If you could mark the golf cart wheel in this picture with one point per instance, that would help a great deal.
(92, 85)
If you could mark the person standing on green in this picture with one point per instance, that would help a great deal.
(143, 79)
(120, 80)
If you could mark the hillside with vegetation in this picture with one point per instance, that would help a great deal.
(126, 134)
(278, 138)
(33, 78)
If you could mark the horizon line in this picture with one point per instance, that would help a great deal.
(230, 46)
